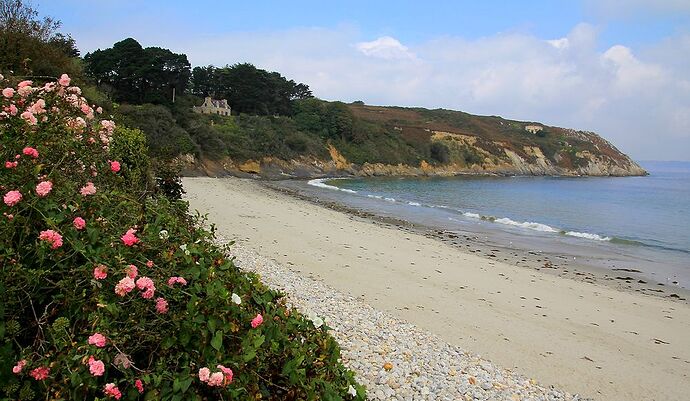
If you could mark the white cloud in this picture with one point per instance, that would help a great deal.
(385, 47)
(561, 43)
(630, 73)
(639, 98)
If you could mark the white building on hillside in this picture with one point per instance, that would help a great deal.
(213, 106)
(533, 128)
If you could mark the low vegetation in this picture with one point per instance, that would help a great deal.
(108, 289)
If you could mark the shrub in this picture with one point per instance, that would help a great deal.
(128, 146)
(105, 294)
(440, 153)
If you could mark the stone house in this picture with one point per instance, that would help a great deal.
(213, 106)
(533, 128)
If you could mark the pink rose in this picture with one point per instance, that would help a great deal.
(149, 263)
(227, 372)
(79, 223)
(146, 284)
(97, 339)
(19, 366)
(139, 385)
(129, 238)
(256, 322)
(8, 92)
(216, 379)
(100, 272)
(96, 367)
(12, 198)
(64, 80)
(52, 237)
(25, 91)
(111, 390)
(131, 271)
(29, 118)
(25, 84)
(9, 164)
(204, 374)
(114, 166)
(161, 305)
(40, 373)
(88, 189)
(43, 188)
(179, 280)
(38, 107)
(124, 286)
(29, 151)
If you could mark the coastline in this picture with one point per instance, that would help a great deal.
(581, 336)
(549, 262)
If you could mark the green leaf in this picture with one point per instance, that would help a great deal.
(185, 384)
(249, 355)
(258, 341)
(217, 340)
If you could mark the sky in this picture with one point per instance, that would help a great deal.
(619, 68)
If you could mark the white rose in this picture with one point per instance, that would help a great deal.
(351, 390)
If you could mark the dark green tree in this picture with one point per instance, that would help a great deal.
(249, 89)
(31, 45)
(133, 74)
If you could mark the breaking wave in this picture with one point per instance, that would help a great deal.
(319, 182)
(530, 225)
(596, 237)
(536, 227)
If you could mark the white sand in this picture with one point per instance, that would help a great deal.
(584, 338)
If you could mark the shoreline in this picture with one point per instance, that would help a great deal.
(622, 279)
(579, 336)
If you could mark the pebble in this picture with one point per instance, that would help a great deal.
(424, 367)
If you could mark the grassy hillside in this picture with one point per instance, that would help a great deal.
(364, 134)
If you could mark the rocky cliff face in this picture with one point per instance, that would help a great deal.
(439, 142)
(507, 163)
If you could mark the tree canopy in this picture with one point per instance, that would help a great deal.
(31, 45)
(249, 89)
(131, 73)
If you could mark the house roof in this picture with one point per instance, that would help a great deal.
(221, 104)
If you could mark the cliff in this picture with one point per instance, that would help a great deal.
(363, 140)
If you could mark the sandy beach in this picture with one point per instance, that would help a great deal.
(582, 337)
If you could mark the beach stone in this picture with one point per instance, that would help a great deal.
(394, 359)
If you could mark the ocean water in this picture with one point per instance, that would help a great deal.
(639, 222)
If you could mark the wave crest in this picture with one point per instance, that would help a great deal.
(596, 237)
(319, 182)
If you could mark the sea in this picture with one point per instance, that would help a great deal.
(640, 224)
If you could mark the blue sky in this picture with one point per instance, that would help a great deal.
(620, 70)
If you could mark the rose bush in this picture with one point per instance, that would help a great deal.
(108, 290)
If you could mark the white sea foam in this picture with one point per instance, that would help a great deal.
(414, 204)
(527, 224)
(389, 199)
(319, 182)
(596, 237)
(375, 196)
(472, 215)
